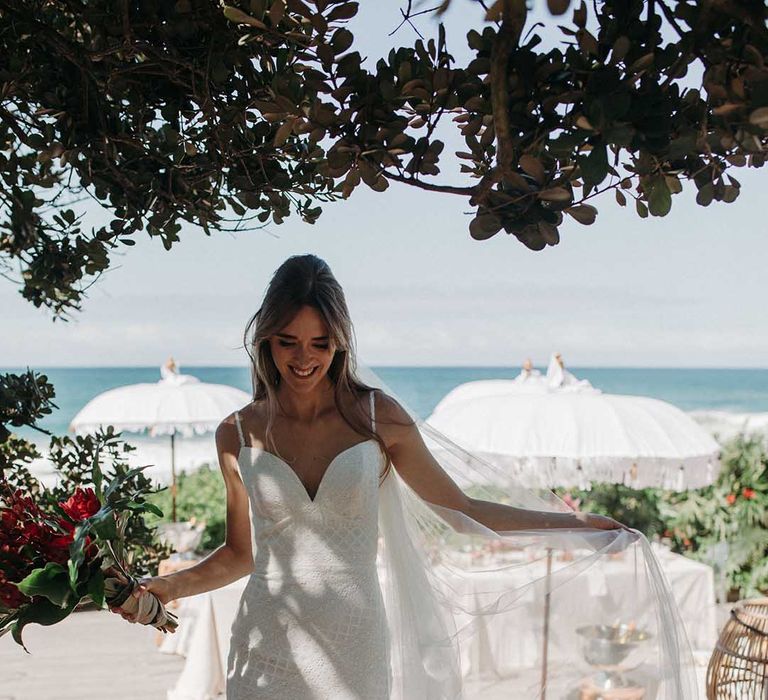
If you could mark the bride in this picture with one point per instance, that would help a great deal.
(338, 504)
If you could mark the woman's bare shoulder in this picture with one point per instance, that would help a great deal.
(389, 411)
(252, 418)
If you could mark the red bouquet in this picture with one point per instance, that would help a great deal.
(55, 554)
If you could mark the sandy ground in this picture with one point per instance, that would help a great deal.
(95, 655)
(91, 655)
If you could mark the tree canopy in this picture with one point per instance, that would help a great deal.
(225, 115)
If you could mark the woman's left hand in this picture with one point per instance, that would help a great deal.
(599, 522)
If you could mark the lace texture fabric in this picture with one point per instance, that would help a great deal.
(311, 621)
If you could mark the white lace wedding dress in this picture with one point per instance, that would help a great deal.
(311, 621)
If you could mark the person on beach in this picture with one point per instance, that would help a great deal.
(313, 466)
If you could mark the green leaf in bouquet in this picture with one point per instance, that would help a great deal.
(103, 523)
(43, 612)
(95, 588)
(51, 582)
(77, 552)
(7, 620)
(139, 507)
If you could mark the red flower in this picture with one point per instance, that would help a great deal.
(730, 499)
(29, 538)
(81, 504)
(686, 542)
(10, 596)
(749, 494)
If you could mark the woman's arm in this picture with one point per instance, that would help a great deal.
(231, 560)
(423, 473)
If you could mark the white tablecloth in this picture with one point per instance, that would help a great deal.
(205, 621)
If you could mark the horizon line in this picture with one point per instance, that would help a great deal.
(404, 366)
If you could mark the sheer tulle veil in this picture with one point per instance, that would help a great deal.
(519, 614)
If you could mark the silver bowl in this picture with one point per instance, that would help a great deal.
(609, 645)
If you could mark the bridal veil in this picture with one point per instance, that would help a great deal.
(549, 614)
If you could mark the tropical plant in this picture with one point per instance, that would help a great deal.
(638, 508)
(225, 114)
(727, 523)
(83, 461)
(201, 497)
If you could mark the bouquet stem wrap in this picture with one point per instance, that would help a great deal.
(147, 609)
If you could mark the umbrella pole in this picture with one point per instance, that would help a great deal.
(545, 644)
(173, 476)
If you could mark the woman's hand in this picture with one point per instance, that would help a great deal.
(599, 522)
(160, 586)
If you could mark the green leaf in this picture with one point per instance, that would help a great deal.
(594, 166)
(555, 194)
(705, 194)
(346, 11)
(285, 130)
(43, 612)
(51, 582)
(240, 17)
(342, 40)
(533, 167)
(484, 225)
(96, 588)
(730, 193)
(152, 508)
(583, 213)
(103, 523)
(659, 197)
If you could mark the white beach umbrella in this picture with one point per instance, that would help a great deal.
(569, 436)
(561, 431)
(178, 404)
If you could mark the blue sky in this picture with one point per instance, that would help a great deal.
(685, 290)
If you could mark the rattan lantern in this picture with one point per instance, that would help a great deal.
(738, 668)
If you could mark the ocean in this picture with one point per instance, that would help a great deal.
(720, 399)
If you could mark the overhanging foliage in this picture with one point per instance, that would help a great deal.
(217, 115)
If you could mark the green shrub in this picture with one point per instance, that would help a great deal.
(724, 525)
(638, 508)
(728, 521)
(202, 495)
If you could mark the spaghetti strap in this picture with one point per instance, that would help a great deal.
(373, 411)
(239, 428)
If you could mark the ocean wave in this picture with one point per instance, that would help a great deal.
(727, 424)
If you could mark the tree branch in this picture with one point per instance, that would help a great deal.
(446, 189)
(505, 41)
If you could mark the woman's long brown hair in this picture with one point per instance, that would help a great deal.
(307, 280)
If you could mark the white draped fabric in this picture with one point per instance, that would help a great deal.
(630, 637)
(205, 621)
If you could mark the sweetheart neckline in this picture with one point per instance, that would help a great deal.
(293, 471)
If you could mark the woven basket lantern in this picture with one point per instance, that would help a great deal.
(738, 668)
